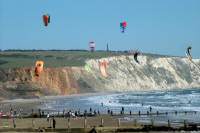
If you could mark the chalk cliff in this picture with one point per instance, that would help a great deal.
(124, 75)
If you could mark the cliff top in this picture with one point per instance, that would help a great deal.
(55, 58)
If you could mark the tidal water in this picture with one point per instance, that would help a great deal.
(162, 101)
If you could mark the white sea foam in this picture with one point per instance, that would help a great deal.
(172, 100)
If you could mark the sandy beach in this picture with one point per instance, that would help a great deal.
(61, 122)
(28, 121)
(26, 105)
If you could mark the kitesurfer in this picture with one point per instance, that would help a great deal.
(122, 110)
(150, 109)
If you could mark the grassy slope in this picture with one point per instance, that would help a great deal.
(51, 58)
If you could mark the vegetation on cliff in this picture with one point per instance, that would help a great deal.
(52, 58)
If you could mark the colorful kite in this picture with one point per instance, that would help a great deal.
(103, 68)
(92, 45)
(46, 19)
(188, 53)
(123, 26)
(38, 68)
(135, 55)
(87, 67)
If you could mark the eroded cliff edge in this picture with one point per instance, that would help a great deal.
(124, 75)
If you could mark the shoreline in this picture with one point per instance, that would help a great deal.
(32, 104)
(51, 97)
(80, 95)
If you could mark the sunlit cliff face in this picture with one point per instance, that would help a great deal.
(124, 75)
(20, 82)
(152, 73)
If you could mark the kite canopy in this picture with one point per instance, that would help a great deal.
(103, 68)
(188, 53)
(92, 46)
(123, 26)
(46, 19)
(87, 67)
(135, 55)
(38, 68)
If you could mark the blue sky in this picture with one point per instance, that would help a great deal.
(165, 27)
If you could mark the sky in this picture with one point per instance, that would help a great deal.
(165, 27)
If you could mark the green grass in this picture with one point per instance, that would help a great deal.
(51, 58)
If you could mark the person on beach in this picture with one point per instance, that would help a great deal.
(1, 113)
(54, 122)
(79, 112)
(68, 114)
(108, 111)
(95, 112)
(20, 110)
(64, 112)
(90, 110)
(15, 113)
(39, 112)
(48, 117)
(76, 115)
(42, 113)
(73, 115)
(85, 114)
(11, 110)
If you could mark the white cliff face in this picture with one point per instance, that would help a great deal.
(152, 73)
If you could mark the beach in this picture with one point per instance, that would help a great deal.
(108, 108)
(26, 105)
(61, 122)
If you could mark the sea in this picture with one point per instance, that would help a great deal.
(173, 105)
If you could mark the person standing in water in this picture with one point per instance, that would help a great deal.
(150, 109)
(85, 114)
(122, 110)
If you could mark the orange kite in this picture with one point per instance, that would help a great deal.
(38, 68)
(103, 68)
